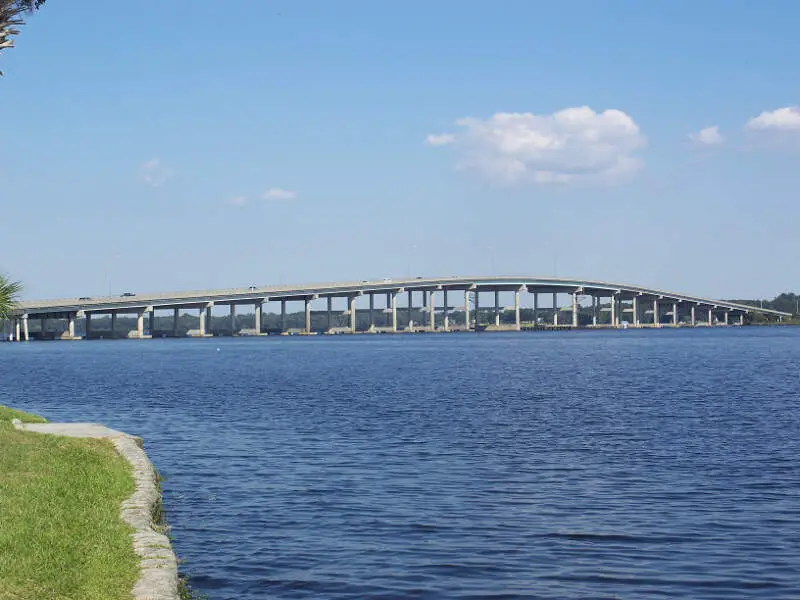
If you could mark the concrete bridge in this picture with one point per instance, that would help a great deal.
(610, 304)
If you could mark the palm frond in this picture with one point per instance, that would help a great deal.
(9, 293)
(10, 19)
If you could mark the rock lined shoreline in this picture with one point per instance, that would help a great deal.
(158, 577)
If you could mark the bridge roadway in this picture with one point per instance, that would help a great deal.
(645, 306)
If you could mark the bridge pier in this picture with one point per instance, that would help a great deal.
(635, 308)
(283, 316)
(477, 309)
(371, 312)
(446, 314)
(675, 316)
(466, 309)
(307, 309)
(555, 308)
(535, 307)
(139, 324)
(517, 321)
(497, 308)
(656, 317)
(202, 317)
(113, 325)
(432, 317)
(351, 308)
(741, 318)
(394, 311)
(330, 313)
(410, 308)
(614, 322)
(25, 332)
(233, 319)
(725, 316)
(152, 319)
(176, 317)
(595, 309)
(574, 309)
(693, 315)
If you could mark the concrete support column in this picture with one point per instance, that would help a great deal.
(139, 324)
(351, 308)
(202, 321)
(726, 317)
(635, 306)
(17, 333)
(741, 318)
(113, 325)
(258, 310)
(71, 325)
(535, 307)
(575, 309)
(394, 311)
(372, 312)
(710, 315)
(176, 319)
(466, 310)
(675, 314)
(517, 322)
(152, 321)
(25, 332)
(656, 319)
(88, 325)
(233, 319)
(410, 308)
(432, 317)
(595, 308)
(477, 309)
(330, 313)
(497, 308)
(43, 326)
(694, 315)
(555, 308)
(283, 315)
(307, 306)
(446, 315)
(208, 320)
(614, 310)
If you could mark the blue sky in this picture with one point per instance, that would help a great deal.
(151, 146)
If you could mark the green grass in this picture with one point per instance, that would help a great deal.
(61, 536)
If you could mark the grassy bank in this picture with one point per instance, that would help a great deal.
(61, 536)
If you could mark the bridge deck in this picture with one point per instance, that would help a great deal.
(344, 289)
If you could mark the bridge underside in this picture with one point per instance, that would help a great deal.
(443, 304)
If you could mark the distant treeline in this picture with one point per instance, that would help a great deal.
(786, 302)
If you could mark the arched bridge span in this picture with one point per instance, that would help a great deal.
(447, 303)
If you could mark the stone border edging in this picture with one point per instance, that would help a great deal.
(158, 577)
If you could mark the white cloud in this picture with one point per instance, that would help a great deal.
(571, 145)
(440, 140)
(708, 136)
(154, 173)
(279, 194)
(237, 201)
(780, 119)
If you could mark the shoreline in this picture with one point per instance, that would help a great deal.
(158, 565)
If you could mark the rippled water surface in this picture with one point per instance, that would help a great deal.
(630, 464)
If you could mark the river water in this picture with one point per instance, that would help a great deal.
(624, 464)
